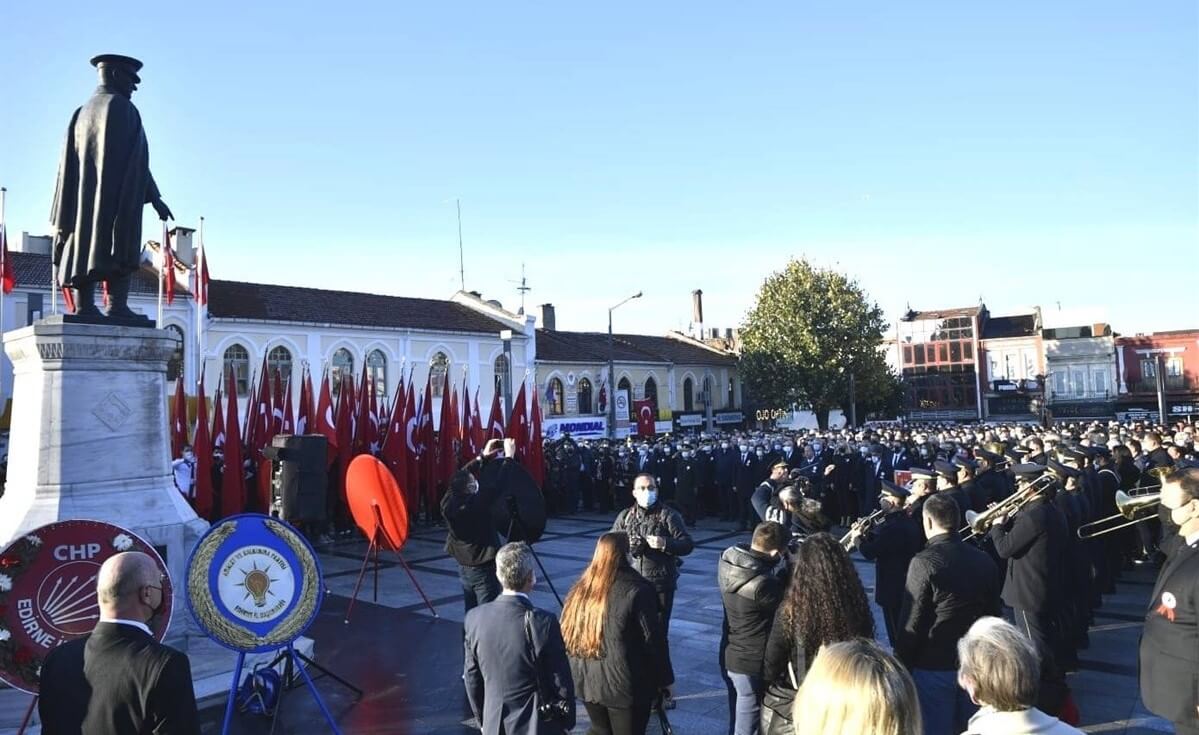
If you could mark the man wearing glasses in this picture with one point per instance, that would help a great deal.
(118, 679)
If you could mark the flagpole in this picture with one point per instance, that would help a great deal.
(201, 300)
(162, 262)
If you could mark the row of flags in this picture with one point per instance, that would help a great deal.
(357, 420)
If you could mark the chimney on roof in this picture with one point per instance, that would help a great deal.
(697, 313)
(34, 244)
(548, 320)
(182, 246)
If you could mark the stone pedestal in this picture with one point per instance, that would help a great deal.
(89, 437)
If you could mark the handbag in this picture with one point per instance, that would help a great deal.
(552, 709)
(776, 706)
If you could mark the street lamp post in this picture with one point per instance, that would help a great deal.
(506, 380)
(612, 368)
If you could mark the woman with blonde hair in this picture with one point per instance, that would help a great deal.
(613, 635)
(857, 687)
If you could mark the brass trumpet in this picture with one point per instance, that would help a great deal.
(862, 524)
(979, 523)
(1128, 508)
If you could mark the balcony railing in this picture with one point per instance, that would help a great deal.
(1173, 383)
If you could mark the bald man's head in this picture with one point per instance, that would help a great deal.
(126, 586)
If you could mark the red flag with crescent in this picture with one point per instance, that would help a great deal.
(644, 410)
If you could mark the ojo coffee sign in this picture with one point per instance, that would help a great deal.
(48, 592)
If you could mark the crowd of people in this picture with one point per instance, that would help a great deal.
(966, 526)
(985, 575)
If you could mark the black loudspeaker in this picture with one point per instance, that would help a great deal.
(303, 475)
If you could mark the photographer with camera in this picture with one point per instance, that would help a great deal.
(657, 538)
(471, 538)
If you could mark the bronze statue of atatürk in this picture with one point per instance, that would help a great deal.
(103, 182)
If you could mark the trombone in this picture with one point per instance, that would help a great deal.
(862, 524)
(1128, 509)
(979, 523)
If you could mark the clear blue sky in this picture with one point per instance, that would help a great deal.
(1027, 152)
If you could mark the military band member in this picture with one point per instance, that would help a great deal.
(947, 483)
(1169, 652)
(1033, 541)
(890, 544)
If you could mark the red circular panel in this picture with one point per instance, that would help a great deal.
(369, 484)
(48, 592)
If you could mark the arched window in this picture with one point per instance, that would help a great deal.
(439, 367)
(651, 393)
(555, 397)
(342, 369)
(237, 359)
(705, 398)
(278, 363)
(175, 363)
(688, 395)
(627, 387)
(376, 370)
(584, 396)
(503, 375)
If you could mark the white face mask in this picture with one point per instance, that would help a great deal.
(744, 448)
(645, 498)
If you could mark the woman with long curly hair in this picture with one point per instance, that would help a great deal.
(614, 640)
(825, 603)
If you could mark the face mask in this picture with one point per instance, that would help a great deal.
(863, 451)
(724, 445)
(778, 447)
(646, 498)
(816, 447)
(761, 452)
(744, 448)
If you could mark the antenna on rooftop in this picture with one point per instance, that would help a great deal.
(523, 288)
(461, 261)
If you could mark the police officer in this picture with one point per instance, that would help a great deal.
(890, 544)
(686, 483)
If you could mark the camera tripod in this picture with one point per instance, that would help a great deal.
(516, 525)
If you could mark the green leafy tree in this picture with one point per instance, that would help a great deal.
(808, 330)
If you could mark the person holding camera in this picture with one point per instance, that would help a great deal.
(657, 538)
(615, 642)
(471, 538)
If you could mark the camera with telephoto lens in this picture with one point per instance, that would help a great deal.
(555, 711)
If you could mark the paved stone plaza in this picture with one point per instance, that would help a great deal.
(409, 662)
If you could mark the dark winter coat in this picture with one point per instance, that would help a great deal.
(634, 664)
(659, 566)
(1034, 543)
(950, 585)
(751, 591)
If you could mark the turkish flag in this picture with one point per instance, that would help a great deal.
(447, 427)
(535, 459)
(428, 449)
(8, 276)
(233, 481)
(644, 409)
(411, 484)
(277, 412)
(476, 426)
(178, 420)
(518, 425)
(218, 421)
(495, 422)
(394, 451)
(202, 444)
(289, 420)
(303, 418)
(325, 423)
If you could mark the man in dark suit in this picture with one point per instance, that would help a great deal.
(745, 479)
(1168, 655)
(515, 658)
(118, 679)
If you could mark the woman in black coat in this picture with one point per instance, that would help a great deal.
(613, 635)
(825, 603)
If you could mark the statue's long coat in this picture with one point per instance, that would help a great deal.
(103, 183)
